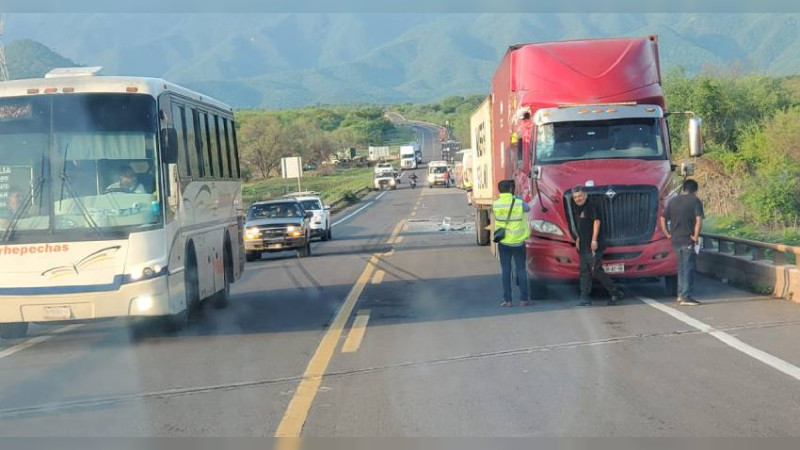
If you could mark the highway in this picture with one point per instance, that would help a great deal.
(394, 329)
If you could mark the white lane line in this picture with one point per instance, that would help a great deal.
(359, 209)
(37, 340)
(759, 355)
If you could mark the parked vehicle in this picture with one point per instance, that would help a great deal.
(436, 174)
(277, 226)
(320, 223)
(551, 123)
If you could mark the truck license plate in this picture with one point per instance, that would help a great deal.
(57, 312)
(614, 268)
(274, 246)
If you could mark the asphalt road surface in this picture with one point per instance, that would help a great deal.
(393, 329)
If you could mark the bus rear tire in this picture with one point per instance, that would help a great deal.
(481, 222)
(14, 330)
(222, 298)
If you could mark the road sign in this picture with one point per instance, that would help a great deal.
(292, 168)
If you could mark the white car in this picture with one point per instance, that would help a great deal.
(381, 168)
(320, 223)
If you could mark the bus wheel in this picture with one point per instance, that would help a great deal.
(15, 330)
(223, 296)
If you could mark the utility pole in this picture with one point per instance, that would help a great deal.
(3, 66)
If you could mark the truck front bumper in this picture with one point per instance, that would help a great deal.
(558, 261)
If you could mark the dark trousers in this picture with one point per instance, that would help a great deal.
(517, 254)
(687, 263)
(591, 267)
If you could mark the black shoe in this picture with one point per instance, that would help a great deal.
(616, 298)
(585, 303)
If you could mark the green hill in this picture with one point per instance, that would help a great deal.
(30, 59)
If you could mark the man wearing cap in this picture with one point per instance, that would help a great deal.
(590, 245)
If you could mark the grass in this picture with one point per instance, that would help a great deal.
(333, 186)
(727, 226)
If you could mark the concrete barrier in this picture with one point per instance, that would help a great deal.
(762, 267)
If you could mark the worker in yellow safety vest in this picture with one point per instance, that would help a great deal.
(468, 188)
(510, 216)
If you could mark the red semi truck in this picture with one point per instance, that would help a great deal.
(589, 113)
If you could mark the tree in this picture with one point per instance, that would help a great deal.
(264, 141)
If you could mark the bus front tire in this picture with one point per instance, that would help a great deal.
(14, 330)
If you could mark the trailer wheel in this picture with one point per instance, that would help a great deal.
(481, 222)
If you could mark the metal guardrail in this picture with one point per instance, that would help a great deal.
(779, 254)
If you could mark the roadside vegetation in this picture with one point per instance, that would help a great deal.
(333, 185)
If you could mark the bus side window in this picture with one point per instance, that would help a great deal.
(211, 147)
(179, 120)
(221, 155)
(228, 149)
(191, 144)
(199, 140)
(235, 150)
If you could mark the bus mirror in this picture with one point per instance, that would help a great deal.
(169, 145)
(695, 137)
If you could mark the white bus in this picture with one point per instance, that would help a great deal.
(119, 197)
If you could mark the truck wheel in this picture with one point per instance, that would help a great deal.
(329, 235)
(305, 251)
(537, 289)
(252, 256)
(481, 222)
(14, 330)
(671, 285)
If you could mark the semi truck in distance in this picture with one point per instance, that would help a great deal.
(589, 113)
(408, 157)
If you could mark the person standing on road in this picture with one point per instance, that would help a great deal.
(510, 214)
(446, 178)
(590, 245)
(681, 223)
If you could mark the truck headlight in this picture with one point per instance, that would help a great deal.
(252, 233)
(545, 227)
(291, 228)
(392, 182)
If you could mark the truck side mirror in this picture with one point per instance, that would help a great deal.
(169, 145)
(695, 137)
(536, 173)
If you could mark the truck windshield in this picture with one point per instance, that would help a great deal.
(634, 138)
(81, 165)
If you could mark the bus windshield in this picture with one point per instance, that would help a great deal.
(78, 164)
(635, 138)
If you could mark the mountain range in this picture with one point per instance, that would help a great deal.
(287, 60)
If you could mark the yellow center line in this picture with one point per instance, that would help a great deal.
(389, 253)
(396, 231)
(398, 240)
(378, 278)
(294, 418)
(356, 334)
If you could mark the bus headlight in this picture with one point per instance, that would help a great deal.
(545, 227)
(143, 303)
(146, 272)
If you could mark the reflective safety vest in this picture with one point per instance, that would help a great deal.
(517, 228)
(467, 183)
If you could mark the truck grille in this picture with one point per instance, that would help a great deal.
(628, 213)
(273, 233)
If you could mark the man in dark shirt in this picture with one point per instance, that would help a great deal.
(590, 245)
(681, 223)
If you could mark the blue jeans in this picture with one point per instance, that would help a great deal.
(687, 263)
(508, 253)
